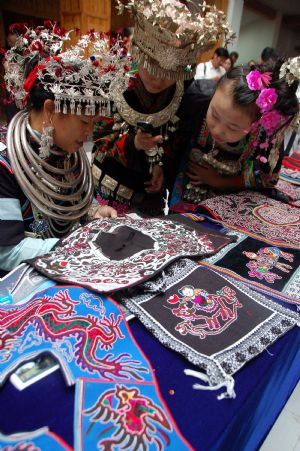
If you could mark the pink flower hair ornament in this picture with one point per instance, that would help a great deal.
(270, 119)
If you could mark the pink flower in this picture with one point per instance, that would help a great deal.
(264, 145)
(270, 121)
(262, 159)
(257, 80)
(266, 77)
(254, 80)
(266, 99)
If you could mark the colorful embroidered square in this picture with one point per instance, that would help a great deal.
(110, 254)
(274, 270)
(259, 215)
(214, 322)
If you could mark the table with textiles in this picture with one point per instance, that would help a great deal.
(262, 386)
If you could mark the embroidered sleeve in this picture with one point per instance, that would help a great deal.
(119, 146)
(108, 141)
(11, 202)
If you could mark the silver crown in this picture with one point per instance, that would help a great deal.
(78, 78)
(168, 37)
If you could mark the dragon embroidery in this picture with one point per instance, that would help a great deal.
(204, 313)
(54, 319)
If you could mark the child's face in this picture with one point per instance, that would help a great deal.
(154, 85)
(227, 122)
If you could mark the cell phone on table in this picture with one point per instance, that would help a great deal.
(145, 127)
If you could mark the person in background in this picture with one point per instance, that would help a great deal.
(9, 107)
(213, 69)
(227, 64)
(251, 64)
(239, 145)
(135, 158)
(46, 186)
(234, 57)
(269, 55)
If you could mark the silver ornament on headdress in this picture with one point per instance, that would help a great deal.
(79, 78)
(168, 37)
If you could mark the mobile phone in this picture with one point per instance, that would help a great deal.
(145, 126)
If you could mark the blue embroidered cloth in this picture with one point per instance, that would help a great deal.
(88, 336)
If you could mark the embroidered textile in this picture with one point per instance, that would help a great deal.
(39, 440)
(259, 215)
(290, 191)
(123, 416)
(216, 323)
(83, 332)
(272, 270)
(110, 254)
(89, 337)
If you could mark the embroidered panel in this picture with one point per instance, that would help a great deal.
(123, 416)
(263, 217)
(217, 323)
(110, 254)
(273, 270)
(83, 331)
(89, 337)
(39, 440)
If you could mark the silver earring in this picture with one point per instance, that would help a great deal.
(46, 142)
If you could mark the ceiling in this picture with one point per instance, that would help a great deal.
(290, 10)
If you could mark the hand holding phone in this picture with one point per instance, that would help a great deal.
(145, 127)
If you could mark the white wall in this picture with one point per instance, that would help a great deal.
(256, 33)
(234, 17)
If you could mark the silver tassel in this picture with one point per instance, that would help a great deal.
(46, 142)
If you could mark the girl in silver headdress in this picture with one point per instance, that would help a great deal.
(133, 159)
(46, 187)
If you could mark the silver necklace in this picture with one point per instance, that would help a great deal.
(62, 195)
(158, 119)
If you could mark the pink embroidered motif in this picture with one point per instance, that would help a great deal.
(204, 313)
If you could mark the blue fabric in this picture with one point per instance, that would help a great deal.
(12, 256)
(10, 209)
(89, 337)
(262, 386)
(37, 440)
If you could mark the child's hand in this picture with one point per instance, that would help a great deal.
(104, 211)
(200, 175)
(156, 183)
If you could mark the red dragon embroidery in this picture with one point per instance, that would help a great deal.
(204, 313)
(55, 318)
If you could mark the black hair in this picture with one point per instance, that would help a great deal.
(222, 52)
(38, 95)
(234, 54)
(128, 31)
(243, 96)
(269, 54)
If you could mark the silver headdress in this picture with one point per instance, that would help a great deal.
(168, 37)
(290, 70)
(79, 79)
